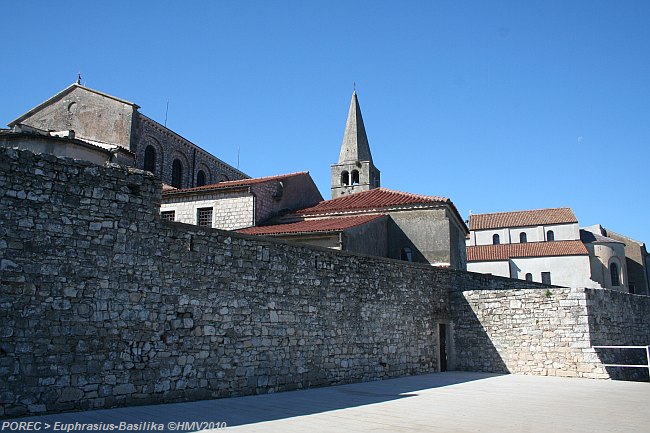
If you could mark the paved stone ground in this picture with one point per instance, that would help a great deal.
(443, 402)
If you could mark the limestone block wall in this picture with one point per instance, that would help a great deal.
(235, 213)
(231, 210)
(103, 305)
(545, 332)
(617, 318)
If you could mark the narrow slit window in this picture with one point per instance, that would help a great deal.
(177, 174)
(613, 269)
(150, 159)
(200, 178)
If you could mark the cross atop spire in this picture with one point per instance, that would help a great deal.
(355, 145)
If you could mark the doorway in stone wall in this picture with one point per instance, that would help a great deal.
(442, 342)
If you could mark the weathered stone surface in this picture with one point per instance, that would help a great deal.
(137, 310)
(528, 331)
(125, 307)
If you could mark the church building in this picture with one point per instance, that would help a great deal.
(547, 246)
(106, 123)
(365, 218)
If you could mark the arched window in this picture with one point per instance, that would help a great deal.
(529, 277)
(177, 174)
(496, 240)
(200, 178)
(523, 238)
(150, 159)
(355, 177)
(550, 236)
(345, 178)
(613, 270)
(407, 254)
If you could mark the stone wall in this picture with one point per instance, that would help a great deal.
(104, 305)
(547, 332)
(617, 318)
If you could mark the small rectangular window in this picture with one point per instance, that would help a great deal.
(168, 215)
(204, 217)
(546, 278)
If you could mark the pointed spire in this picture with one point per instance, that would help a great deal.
(355, 145)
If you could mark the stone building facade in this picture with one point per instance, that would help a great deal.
(237, 204)
(105, 120)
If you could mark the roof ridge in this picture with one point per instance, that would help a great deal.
(411, 194)
(242, 182)
(522, 218)
(521, 211)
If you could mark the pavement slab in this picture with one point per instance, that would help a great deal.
(439, 402)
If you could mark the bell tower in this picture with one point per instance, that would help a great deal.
(355, 171)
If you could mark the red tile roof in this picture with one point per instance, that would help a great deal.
(311, 226)
(487, 253)
(378, 198)
(235, 183)
(521, 218)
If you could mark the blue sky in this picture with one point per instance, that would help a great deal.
(500, 106)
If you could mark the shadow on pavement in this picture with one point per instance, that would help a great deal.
(249, 409)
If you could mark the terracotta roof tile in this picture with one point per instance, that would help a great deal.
(235, 183)
(311, 226)
(378, 198)
(487, 253)
(521, 218)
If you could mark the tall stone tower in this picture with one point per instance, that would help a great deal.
(355, 171)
